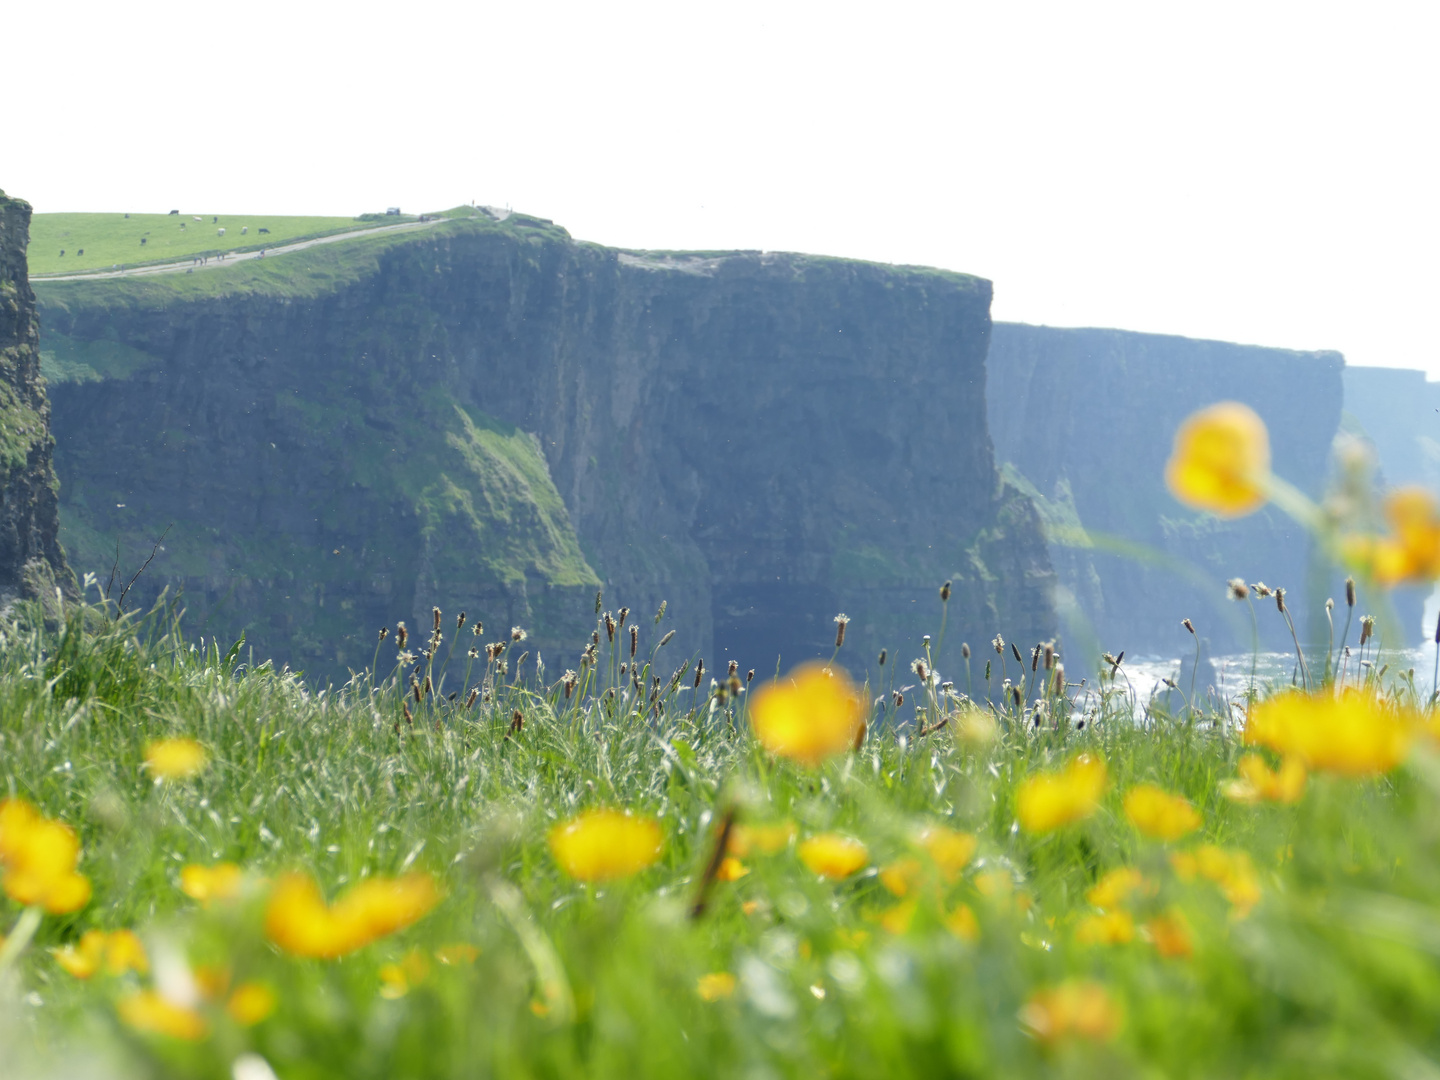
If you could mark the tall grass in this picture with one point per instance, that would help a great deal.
(1333, 973)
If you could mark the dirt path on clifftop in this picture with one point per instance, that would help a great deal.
(188, 264)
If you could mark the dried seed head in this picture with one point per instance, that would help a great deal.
(749, 676)
(477, 628)
(733, 668)
(841, 621)
(965, 649)
(599, 594)
(919, 668)
(474, 653)
(999, 643)
(405, 710)
(416, 690)
(624, 614)
(882, 656)
(436, 613)
(1349, 592)
(1060, 680)
(521, 659)
(400, 635)
(609, 627)
(666, 639)
(1035, 658)
(634, 640)
(661, 613)
(516, 634)
(384, 632)
(595, 638)
(1049, 656)
(460, 621)
(899, 699)
(945, 593)
(474, 693)
(699, 670)
(1018, 697)
(1016, 651)
(1188, 625)
(1238, 589)
(517, 720)
(1280, 600)
(1367, 628)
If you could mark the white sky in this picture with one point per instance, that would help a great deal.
(1255, 172)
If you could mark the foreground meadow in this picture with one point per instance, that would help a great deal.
(640, 868)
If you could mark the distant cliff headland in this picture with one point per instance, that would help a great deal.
(486, 415)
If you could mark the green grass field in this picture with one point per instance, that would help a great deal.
(108, 240)
(1316, 957)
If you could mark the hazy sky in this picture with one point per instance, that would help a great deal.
(1255, 172)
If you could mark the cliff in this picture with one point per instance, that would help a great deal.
(487, 415)
(1088, 417)
(1399, 412)
(32, 563)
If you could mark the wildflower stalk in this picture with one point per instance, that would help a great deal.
(19, 937)
(712, 867)
(1300, 655)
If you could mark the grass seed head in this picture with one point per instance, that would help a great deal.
(945, 593)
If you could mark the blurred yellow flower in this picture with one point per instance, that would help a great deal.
(1232, 871)
(897, 919)
(995, 884)
(731, 869)
(1257, 783)
(1075, 1009)
(212, 980)
(147, 1011)
(1112, 928)
(1160, 815)
(901, 877)
(124, 952)
(1050, 800)
(299, 921)
(1170, 934)
(811, 714)
(251, 1003)
(176, 759)
(762, 839)
(39, 856)
(962, 923)
(604, 845)
(205, 883)
(398, 979)
(1221, 460)
(951, 851)
(457, 954)
(716, 985)
(1411, 550)
(833, 856)
(82, 960)
(1114, 889)
(1353, 734)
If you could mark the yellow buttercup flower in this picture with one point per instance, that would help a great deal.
(147, 1011)
(457, 954)
(716, 985)
(176, 759)
(901, 877)
(808, 716)
(833, 856)
(898, 919)
(762, 839)
(1232, 871)
(1049, 800)
(398, 979)
(1221, 460)
(731, 869)
(951, 851)
(1411, 550)
(962, 923)
(1170, 934)
(1115, 887)
(205, 883)
(604, 845)
(83, 959)
(39, 857)
(1353, 734)
(251, 1003)
(1112, 928)
(1257, 783)
(299, 921)
(1076, 1009)
(1160, 815)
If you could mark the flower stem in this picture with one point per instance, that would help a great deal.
(19, 937)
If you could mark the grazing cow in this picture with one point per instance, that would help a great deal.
(219, 232)
(142, 241)
(262, 230)
(80, 252)
(215, 220)
(172, 211)
(62, 251)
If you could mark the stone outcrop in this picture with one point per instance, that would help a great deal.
(32, 563)
(490, 416)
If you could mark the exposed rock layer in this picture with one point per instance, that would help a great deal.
(493, 417)
(31, 560)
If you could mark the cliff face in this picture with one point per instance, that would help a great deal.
(31, 560)
(491, 417)
(1088, 417)
(1399, 412)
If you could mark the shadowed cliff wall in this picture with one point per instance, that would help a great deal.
(493, 417)
(31, 560)
(1088, 417)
